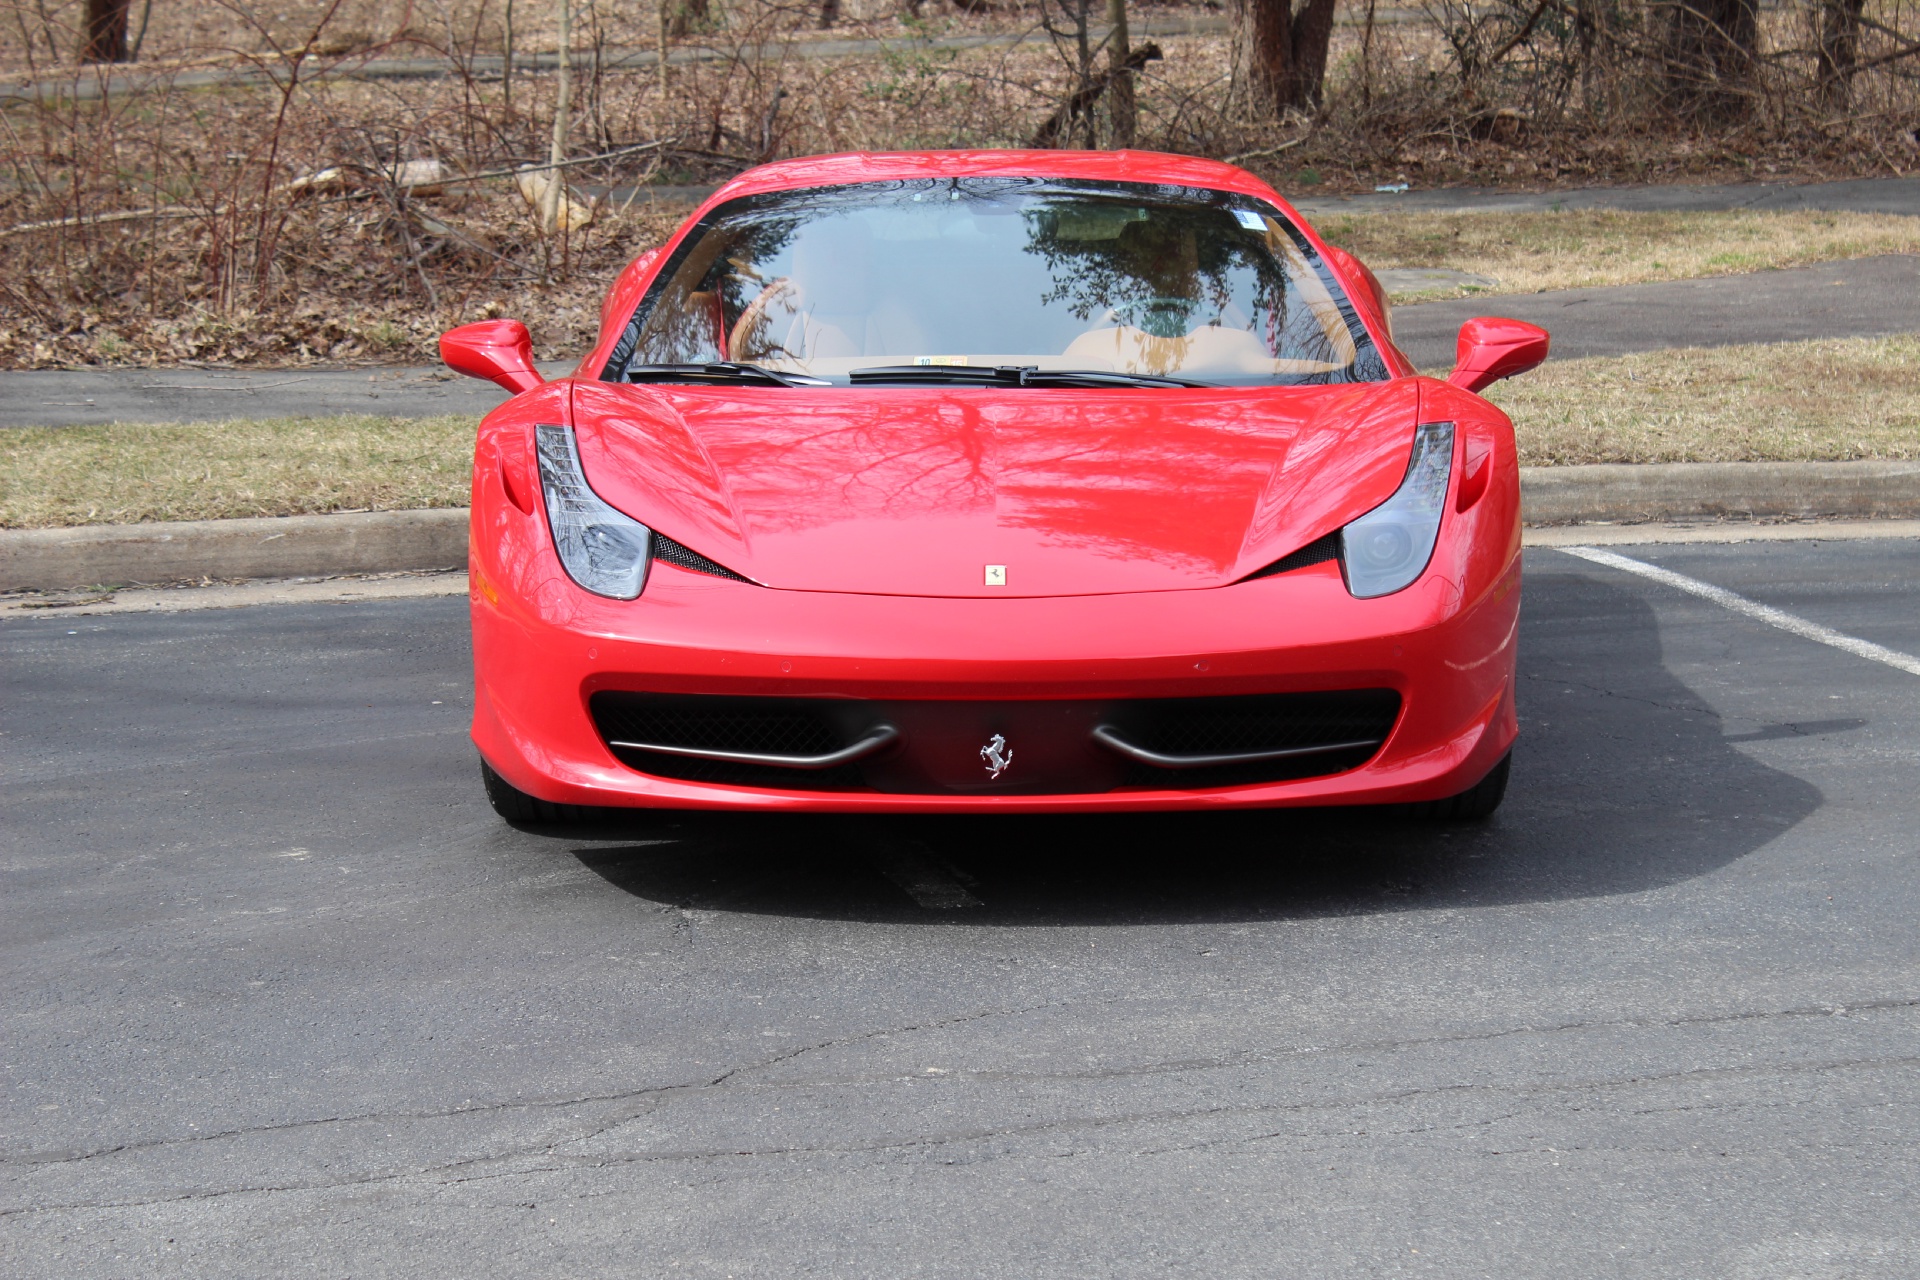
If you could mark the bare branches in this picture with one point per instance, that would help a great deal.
(1078, 108)
(1265, 153)
(253, 177)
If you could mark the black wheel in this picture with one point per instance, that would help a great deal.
(1476, 802)
(519, 808)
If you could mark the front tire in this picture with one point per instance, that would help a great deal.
(1474, 804)
(521, 809)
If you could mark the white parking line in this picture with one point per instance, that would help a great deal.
(1640, 535)
(1759, 612)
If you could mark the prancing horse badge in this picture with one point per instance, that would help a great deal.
(998, 755)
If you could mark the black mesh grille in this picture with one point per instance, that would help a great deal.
(1212, 726)
(1319, 551)
(766, 726)
(674, 553)
(762, 726)
(1273, 722)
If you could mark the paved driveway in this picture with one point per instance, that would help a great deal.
(283, 996)
(1861, 298)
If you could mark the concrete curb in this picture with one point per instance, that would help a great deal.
(290, 547)
(1626, 494)
(396, 541)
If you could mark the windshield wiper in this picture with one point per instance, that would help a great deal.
(1014, 375)
(731, 373)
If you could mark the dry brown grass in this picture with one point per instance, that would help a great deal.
(1584, 248)
(124, 474)
(1833, 400)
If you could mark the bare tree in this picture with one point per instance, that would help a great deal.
(1285, 52)
(140, 31)
(506, 60)
(1709, 56)
(1838, 31)
(1120, 103)
(106, 35)
(694, 15)
(556, 177)
(1073, 38)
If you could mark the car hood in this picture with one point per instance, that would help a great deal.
(916, 491)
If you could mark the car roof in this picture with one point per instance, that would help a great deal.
(878, 166)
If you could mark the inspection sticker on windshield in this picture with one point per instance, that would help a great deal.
(924, 361)
(1250, 220)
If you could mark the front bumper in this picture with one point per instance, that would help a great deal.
(542, 648)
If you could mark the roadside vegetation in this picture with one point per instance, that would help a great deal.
(128, 473)
(1805, 401)
(1833, 400)
(1584, 248)
(236, 195)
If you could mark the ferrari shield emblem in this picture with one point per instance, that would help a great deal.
(997, 755)
(996, 575)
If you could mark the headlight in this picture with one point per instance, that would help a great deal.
(1387, 548)
(603, 550)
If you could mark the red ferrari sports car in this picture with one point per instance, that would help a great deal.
(995, 481)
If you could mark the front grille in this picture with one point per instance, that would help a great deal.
(935, 747)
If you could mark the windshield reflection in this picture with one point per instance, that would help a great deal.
(1115, 277)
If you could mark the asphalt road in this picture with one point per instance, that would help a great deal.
(283, 996)
(1857, 195)
(1864, 297)
(83, 397)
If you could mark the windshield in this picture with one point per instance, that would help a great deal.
(1125, 278)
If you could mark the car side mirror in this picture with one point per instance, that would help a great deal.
(500, 351)
(1492, 348)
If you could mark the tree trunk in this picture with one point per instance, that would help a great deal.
(556, 177)
(1266, 39)
(506, 61)
(1583, 33)
(106, 39)
(140, 31)
(1312, 34)
(692, 15)
(1285, 53)
(1120, 102)
(1709, 57)
(1839, 49)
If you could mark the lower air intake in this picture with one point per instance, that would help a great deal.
(936, 748)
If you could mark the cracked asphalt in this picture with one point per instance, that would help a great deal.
(284, 997)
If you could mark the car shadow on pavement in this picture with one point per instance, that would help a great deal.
(1623, 781)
